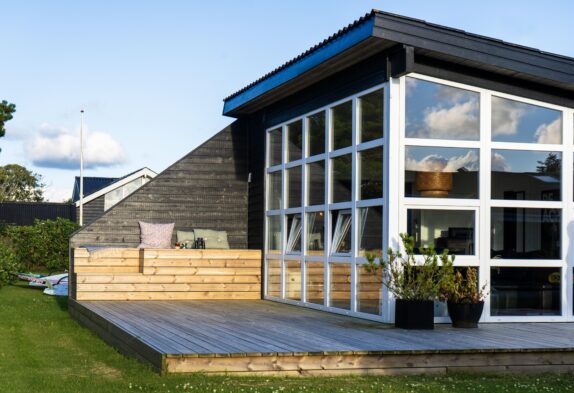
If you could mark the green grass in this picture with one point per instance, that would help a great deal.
(43, 350)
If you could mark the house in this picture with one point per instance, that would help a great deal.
(102, 193)
(391, 125)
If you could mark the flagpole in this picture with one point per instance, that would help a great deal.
(81, 167)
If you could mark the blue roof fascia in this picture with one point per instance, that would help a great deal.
(328, 51)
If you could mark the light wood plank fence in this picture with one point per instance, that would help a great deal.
(165, 274)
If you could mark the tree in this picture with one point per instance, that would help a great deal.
(550, 166)
(6, 111)
(19, 184)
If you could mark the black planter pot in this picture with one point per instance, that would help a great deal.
(414, 314)
(465, 315)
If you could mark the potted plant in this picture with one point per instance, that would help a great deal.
(415, 284)
(465, 299)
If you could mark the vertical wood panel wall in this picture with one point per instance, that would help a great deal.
(205, 189)
(165, 274)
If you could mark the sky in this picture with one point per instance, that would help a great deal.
(151, 75)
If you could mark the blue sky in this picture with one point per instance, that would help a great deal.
(151, 76)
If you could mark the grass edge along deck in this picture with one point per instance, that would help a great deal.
(380, 362)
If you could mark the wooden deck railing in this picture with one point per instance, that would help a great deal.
(165, 274)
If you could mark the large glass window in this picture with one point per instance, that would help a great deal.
(274, 234)
(294, 226)
(371, 116)
(369, 287)
(342, 178)
(438, 111)
(342, 125)
(526, 175)
(514, 121)
(341, 231)
(371, 230)
(273, 277)
(294, 187)
(524, 291)
(315, 282)
(518, 233)
(441, 172)
(295, 141)
(443, 229)
(316, 131)
(274, 191)
(293, 280)
(316, 233)
(340, 285)
(274, 148)
(316, 183)
(371, 174)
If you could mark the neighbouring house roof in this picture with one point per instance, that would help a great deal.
(95, 187)
(377, 31)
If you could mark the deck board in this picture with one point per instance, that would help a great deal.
(243, 328)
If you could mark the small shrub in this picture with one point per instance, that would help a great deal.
(42, 245)
(8, 264)
(464, 289)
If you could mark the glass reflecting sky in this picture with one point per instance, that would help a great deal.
(514, 121)
(441, 159)
(441, 112)
(519, 161)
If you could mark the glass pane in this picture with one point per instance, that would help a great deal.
(293, 280)
(315, 283)
(293, 233)
(275, 147)
(274, 196)
(316, 233)
(443, 229)
(273, 278)
(371, 116)
(518, 233)
(441, 172)
(340, 285)
(274, 234)
(316, 134)
(371, 174)
(437, 111)
(514, 121)
(341, 231)
(371, 230)
(342, 125)
(526, 175)
(294, 186)
(316, 183)
(295, 141)
(342, 170)
(521, 291)
(369, 291)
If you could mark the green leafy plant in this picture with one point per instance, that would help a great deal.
(8, 264)
(412, 278)
(463, 288)
(44, 245)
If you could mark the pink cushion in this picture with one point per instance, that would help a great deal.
(155, 235)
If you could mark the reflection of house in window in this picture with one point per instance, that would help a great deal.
(102, 193)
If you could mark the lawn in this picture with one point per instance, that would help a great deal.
(43, 350)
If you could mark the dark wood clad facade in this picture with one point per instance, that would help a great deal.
(92, 210)
(205, 189)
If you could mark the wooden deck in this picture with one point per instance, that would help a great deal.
(262, 337)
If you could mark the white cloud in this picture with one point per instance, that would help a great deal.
(56, 147)
(550, 133)
(506, 116)
(410, 85)
(498, 163)
(439, 163)
(56, 194)
(461, 120)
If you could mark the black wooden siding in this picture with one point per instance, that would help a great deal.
(24, 213)
(92, 210)
(205, 189)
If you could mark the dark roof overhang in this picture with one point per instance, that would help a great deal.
(379, 31)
